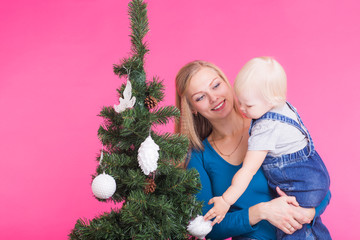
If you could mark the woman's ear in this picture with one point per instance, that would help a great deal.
(193, 111)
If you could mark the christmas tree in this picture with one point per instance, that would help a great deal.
(158, 193)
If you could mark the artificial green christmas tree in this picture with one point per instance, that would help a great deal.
(158, 195)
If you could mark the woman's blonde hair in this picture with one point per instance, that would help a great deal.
(194, 126)
(266, 74)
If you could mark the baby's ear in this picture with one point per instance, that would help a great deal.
(273, 104)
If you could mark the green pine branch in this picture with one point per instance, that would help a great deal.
(100, 228)
(164, 114)
(156, 89)
(173, 147)
(139, 28)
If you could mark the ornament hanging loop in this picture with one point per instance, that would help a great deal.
(101, 158)
(127, 72)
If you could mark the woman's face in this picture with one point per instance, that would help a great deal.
(209, 95)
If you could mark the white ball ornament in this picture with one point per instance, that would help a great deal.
(199, 228)
(103, 186)
(148, 155)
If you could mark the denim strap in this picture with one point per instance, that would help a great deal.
(282, 118)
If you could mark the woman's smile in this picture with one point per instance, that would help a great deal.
(220, 106)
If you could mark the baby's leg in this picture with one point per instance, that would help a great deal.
(319, 230)
(304, 178)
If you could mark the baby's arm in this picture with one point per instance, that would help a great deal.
(240, 182)
(242, 178)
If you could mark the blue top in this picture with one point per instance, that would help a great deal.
(216, 175)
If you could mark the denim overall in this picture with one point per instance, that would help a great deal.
(301, 174)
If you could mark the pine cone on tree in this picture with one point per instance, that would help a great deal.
(150, 186)
(150, 102)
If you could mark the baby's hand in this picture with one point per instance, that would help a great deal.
(219, 210)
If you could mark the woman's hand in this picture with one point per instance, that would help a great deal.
(308, 213)
(285, 213)
(282, 212)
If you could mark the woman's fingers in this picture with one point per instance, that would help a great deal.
(302, 215)
(280, 192)
(289, 199)
(284, 215)
(288, 229)
(292, 200)
(295, 224)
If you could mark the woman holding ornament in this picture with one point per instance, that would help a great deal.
(218, 136)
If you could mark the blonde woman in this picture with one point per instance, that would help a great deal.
(218, 135)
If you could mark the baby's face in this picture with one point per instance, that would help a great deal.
(253, 104)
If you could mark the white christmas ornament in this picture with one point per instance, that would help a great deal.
(148, 155)
(199, 228)
(127, 101)
(103, 186)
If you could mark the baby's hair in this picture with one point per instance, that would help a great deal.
(266, 74)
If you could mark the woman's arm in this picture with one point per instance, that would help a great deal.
(321, 208)
(281, 212)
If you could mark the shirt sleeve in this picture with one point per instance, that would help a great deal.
(263, 135)
(236, 222)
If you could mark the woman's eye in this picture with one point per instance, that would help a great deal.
(217, 85)
(199, 98)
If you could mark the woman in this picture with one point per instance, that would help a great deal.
(218, 135)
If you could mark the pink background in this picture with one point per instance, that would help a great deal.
(56, 74)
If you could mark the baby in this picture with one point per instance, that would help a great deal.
(279, 143)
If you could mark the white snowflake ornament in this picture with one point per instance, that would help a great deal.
(103, 186)
(199, 228)
(127, 101)
(148, 155)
